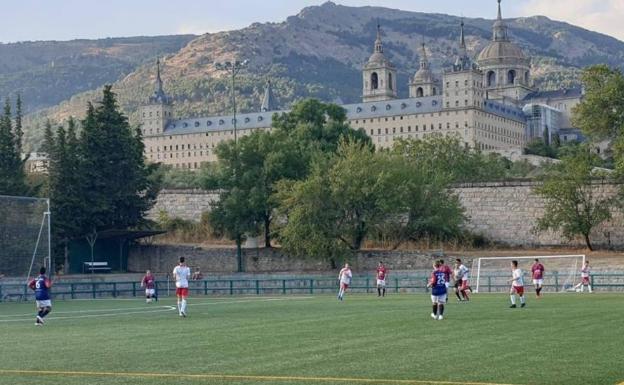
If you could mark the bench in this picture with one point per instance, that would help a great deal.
(96, 267)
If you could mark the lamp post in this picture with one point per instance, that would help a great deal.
(233, 68)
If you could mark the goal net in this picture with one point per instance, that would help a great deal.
(492, 274)
(24, 236)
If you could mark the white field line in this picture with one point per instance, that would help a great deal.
(143, 310)
(219, 300)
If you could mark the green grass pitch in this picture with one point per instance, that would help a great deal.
(561, 339)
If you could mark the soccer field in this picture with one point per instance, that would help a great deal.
(560, 339)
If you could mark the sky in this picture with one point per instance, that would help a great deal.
(72, 19)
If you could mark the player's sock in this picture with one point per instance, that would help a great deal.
(513, 299)
(383, 292)
(441, 309)
(465, 294)
(378, 292)
(589, 287)
(183, 306)
(457, 294)
(179, 306)
(539, 291)
(435, 309)
(522, 299)
(45, 312)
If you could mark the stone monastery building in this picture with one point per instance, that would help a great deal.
(489, 103)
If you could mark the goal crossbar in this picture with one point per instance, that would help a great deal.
(582, 256)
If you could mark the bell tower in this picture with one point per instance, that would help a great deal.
(379, 75)
(158, 110)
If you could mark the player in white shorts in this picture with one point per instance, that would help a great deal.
(517, 285)
(382, 273)
(182, 273)
(344, 277)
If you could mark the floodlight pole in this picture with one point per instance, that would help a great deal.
(233, 68)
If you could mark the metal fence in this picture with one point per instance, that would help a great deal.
(280, 286)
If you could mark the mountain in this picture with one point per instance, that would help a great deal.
(47, 72)
(320, 51)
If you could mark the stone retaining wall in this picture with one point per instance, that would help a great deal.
(503, 212)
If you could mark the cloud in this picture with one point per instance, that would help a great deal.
(604, 16)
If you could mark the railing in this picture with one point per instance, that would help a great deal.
(276, 286)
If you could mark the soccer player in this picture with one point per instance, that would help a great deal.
(460, 274)
(537, 271)
(182, 273)
(382, 272)
(584, 278)
(149, 283)
(41, 285)
(438, 285)
(344, 277)
(517, 285)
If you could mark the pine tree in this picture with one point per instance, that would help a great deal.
(12, 173)
(115, 175)
(18, 131)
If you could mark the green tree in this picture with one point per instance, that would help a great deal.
(357, 194)
(571, 202)
(601, 112)
(445, 157)
(539, 147)
(12, 172)
(254, 165)
(117, 184)
(19, 130)
(66, 193)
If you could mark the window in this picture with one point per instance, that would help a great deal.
(511, 77)
(419, 92)
(491, 79)
(390, 80)
(374, 81)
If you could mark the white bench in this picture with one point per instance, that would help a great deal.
(96, 267)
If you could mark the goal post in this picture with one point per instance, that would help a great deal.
(560, 271)
(25, 236)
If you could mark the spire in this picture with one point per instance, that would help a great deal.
(159, 95)
(159, 83)
(424, 61)
(268, 101)
(378, 45)
(499, 31)
(463, 61)
(462, 39)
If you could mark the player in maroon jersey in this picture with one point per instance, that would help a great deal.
(448, 272)
(382, 273)
(149, 283)
(537, 271)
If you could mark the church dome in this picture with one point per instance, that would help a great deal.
(423, 75)
(378, 58)
(501, 50)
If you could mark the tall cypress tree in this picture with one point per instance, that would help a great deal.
(12, 173)
(66, 190)
(18, 131)
(116, 179)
